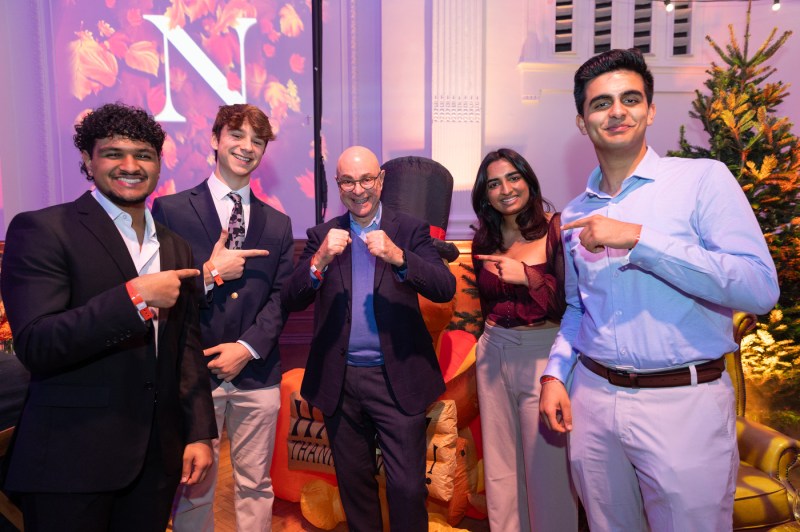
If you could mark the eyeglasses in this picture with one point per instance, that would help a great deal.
(348, 185)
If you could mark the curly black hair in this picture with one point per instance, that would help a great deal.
(117, 120)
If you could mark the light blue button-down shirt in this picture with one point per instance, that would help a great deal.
(146, 256)
(669, 301)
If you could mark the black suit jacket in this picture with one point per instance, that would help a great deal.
(255, 314)
(408, 351)
(95, 376)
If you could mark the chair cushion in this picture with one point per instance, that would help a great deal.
(759, 501)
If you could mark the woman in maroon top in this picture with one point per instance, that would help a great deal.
(519, 268)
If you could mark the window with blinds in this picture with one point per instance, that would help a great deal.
(681, 31)
(642, 25)
(564, 21)
(643, 13)
(602, 27)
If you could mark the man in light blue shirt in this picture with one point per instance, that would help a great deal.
(659, 252)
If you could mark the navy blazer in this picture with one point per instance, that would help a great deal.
(409, 357)
(254, 314)
(95, 375)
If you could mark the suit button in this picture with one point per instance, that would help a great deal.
(235, 295)
(148, 385)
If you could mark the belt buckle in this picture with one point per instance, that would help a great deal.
(628, 379)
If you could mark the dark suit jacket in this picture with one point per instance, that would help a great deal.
(95, 376)
(255, 316)
(408, 351)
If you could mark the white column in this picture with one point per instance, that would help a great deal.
(457, 101)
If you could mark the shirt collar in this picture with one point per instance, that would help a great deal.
(117, 215)
(646, 169)
(219, 190)
(373, 225)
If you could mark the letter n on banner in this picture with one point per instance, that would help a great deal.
(196, 57)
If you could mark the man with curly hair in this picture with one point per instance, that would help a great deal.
(101, 302)
(244, 248)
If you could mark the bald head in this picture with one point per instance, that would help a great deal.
(357, 158)
(358, 168)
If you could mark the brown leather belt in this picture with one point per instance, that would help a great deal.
(706, 372)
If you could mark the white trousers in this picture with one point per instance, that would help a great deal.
(663, 457)
(251, 417)
(525, 464)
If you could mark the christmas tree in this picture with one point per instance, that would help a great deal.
(739, 112)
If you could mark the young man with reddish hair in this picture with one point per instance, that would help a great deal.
(244, 248)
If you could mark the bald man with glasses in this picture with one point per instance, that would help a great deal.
(372, 369)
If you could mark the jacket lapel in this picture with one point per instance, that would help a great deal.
(166, 250)
(203, 205)
(345, 261)
(96, 220)
(255, 225)
(389, 226)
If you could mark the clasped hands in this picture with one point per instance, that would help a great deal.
(378, 243)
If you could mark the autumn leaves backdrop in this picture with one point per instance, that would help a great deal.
(105, 51)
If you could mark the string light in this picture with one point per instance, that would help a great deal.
(668, 6)
(776, 5)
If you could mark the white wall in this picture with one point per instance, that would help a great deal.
(517, 71)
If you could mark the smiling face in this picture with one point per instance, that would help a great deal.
(239, 152)
(355, 164)
(616, 113)
(125, 171)
(506, 189)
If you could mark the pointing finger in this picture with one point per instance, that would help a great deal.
(187, 273)
(583, 222)
(248, 253)
(491, 258)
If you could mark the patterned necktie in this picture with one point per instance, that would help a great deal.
(236, 223)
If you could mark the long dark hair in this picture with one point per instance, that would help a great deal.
(531, 219)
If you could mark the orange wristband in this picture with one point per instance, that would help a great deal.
(138, 302)
(214, 273)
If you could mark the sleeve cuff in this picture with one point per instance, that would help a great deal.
(249, 348)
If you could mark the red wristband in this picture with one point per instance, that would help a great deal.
(316, 273)
(548, 378)
(214, 273)
(138, 302)
(319, 274)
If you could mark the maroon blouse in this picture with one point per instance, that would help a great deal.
(513, 305)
